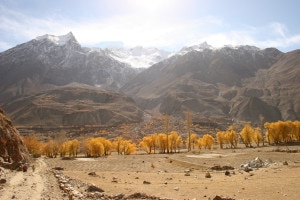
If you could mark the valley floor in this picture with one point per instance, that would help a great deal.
(168, 176)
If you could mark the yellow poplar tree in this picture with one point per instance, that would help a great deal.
(199, 143)
(174, 141)
(162, 142)
(117, 145)
(128, 147)
(146, 144)
(257, 137)
(231, 137)
(247, 134)
(32, 144)
(193, 140)
(208, 141)
(221, 138)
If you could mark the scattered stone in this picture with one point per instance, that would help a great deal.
(93, 188)
(114, 181)
(2, 181)
(222, 198)
(254, 164)
(222, 168)
(176, 188)
(139, 195)
(187, 174)
(92, 173)
(248, 169)
(285, 163)
(227, 173)
(146, 182)
(207, 175)
(58, 168)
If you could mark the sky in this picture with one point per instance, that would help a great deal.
(165, 24)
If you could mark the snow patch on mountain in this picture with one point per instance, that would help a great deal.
(138, 57)
(58, 40)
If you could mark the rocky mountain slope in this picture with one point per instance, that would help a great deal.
(280, 85)
(73, 105)
(222, 82)
(12, 147)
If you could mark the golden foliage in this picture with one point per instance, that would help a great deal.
(125, 147)
(221, 138)
(162, 142)
(117, 144)
(247, 134)
(257, 137)
(207, 141)
(51, 149)
(128, 147)
(231, 137)
(147, 144)
(281, 131)
(175, 141)
(32, 144)
(193, 139)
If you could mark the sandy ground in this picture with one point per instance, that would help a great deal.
(165, 175)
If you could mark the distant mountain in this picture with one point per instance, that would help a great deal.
(53, 81)
(49, 61)
(31, 70)
(241, 82)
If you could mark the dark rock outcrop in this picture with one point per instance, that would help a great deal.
(12, 147)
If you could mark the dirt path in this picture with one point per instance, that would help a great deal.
(32, 185)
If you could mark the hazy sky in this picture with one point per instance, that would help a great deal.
(166, 24)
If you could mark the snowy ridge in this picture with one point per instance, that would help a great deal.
(138, 57)
(205, 46)
(58, 40)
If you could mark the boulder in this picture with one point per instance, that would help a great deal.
(12, 147)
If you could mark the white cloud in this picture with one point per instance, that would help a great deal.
(279, 29)
(133, 30)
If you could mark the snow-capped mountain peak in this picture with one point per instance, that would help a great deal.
(138, 57)
(199, 47)
(58, 40)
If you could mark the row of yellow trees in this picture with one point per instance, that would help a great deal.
(92, 147)
(277, 132)
(231, 138)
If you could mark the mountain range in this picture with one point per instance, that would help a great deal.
(53, 81)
